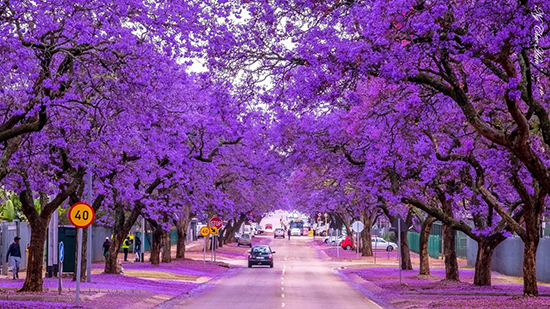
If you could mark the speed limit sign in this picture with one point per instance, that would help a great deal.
(81, 215)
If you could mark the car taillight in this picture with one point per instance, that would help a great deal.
(249, 256)
(270, 257)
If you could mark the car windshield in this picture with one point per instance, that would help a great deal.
(245, 236)
(260, 250)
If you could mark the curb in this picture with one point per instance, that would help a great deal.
(468, 294)
(369, 289)
(58, 299)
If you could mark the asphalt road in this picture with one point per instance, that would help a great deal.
(299, 279)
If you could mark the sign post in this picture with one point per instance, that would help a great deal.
(357, 227)
(214, 233)
(205, 231)
(401, 227)
(399, 239)
(337, 246)
(215, 224)
(61, 259)
(375, 246)
(81, 216)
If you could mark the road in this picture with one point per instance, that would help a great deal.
(299, 279)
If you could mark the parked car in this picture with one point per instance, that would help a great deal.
(333, 240)
(245, 240)
(269, 226)
(237, 235)
(260, 255)
(380, 243)
(347, 243)
(279, 232)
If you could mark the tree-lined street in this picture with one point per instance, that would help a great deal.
(299, 279)
(426, 123)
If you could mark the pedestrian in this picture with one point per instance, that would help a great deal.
(126, 247)
(14, 256)
(106, 246)
(138, 249)
(288, 234)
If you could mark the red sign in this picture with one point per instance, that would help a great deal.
(217, 222)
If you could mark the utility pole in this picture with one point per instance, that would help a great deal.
(89, 236)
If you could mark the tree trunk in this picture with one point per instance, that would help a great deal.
(484, 260)
(451, 264)
(423, 245)
(221, 237)
(449, 249)
(155, 248)
(121, 229)
(229, 229)
(180, 245)
(33, 281)
(406, 263)
(366, 249)
(166, 247)
(530, 287)
(83, 256)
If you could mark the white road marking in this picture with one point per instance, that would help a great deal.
(283, 295)
(282, 289)
(283, 304)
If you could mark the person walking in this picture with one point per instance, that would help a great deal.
(126, 247)
(288, 234)
(137, 249)
(106, 246)
(14, 256)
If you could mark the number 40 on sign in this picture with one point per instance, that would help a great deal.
(81, 215)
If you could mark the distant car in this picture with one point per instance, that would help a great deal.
(347, 243)
(269, 226)
(380, 243)
(279, 233)
(260, 255)
(245, 240)
(295, 231)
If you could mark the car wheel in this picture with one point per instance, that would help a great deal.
(348, 247)
(238, 245)
(326, 241)
(389, 248)
(249, 265)
(271, 265)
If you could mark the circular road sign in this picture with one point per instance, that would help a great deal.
(216, 222)
(357, 226)
(81, 215)
(205, 231)
(213, 230)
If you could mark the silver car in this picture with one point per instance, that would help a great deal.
(244, 240)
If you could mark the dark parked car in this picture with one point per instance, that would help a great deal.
(260, 255)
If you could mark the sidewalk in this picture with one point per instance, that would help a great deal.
(141, 286)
